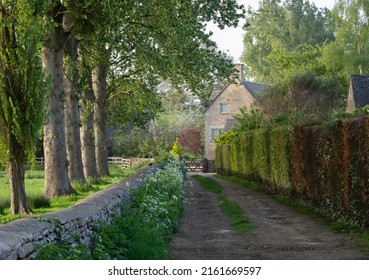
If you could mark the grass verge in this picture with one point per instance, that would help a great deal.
(34, 181)
(231, 209)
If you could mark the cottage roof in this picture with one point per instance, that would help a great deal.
(252, 87)
(360, 89)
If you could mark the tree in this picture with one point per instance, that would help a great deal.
(276, 33)
(158, 38)
(350, 51)
(87, 122)
(165, 39)
(22, 90)
(191, 141)
(305, 97)
(99, 85)
(133, 102)
(72, 113)
(56, 165)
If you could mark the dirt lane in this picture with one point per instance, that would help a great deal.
(280, 233)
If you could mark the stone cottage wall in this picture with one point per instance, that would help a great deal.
(236, 96)
(18, 238)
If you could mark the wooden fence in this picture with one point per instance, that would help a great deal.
(126, 163)
(123, 162)
(195, 165)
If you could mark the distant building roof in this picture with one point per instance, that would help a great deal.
(360, 89)
(255, 88)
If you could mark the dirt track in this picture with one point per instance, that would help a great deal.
(280, 233)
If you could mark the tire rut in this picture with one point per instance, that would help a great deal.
(280, 232)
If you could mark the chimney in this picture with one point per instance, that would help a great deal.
(240, 72)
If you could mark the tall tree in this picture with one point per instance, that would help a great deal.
(87, 121)
(56, 165)
(99, 85)
(72, 113)
(276, 32)
(22, 90)
(350, 51)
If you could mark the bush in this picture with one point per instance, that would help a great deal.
(249, 119)
(38, 201)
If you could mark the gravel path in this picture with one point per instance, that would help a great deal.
(280, 232)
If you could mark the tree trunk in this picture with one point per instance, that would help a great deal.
(18, 200)
(72, 116)
(87, 128)
(101, 118)
(56, 165)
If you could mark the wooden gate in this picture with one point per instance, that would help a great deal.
(200, 165)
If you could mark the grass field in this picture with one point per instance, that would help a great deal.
(34, 181)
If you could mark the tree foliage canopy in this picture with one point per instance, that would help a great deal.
(22, 84)
(280, 38)
(350, 51)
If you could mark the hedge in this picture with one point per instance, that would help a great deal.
(326, 164)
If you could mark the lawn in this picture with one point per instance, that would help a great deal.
(40, 204)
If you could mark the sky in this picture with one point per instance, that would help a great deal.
(229, 40)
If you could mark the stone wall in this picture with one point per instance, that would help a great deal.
(18, 238)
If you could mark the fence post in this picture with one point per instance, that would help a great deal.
(205, 165)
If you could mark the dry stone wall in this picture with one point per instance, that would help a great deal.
(19, 238)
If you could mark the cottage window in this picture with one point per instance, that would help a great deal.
(224, 108)
(215, 133)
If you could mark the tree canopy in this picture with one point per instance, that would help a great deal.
(281, 38)
(350, 51)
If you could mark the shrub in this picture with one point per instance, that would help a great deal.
(38, 201)
(249, 119)
(176, 149)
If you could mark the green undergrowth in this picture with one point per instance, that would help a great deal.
(40, 204)
(231, 209)
(337, 222)
(144, 228)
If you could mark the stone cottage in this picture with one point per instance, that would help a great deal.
(224, 105)
(358, 96)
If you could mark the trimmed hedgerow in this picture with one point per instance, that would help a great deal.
(279, 158)
(326, 164)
